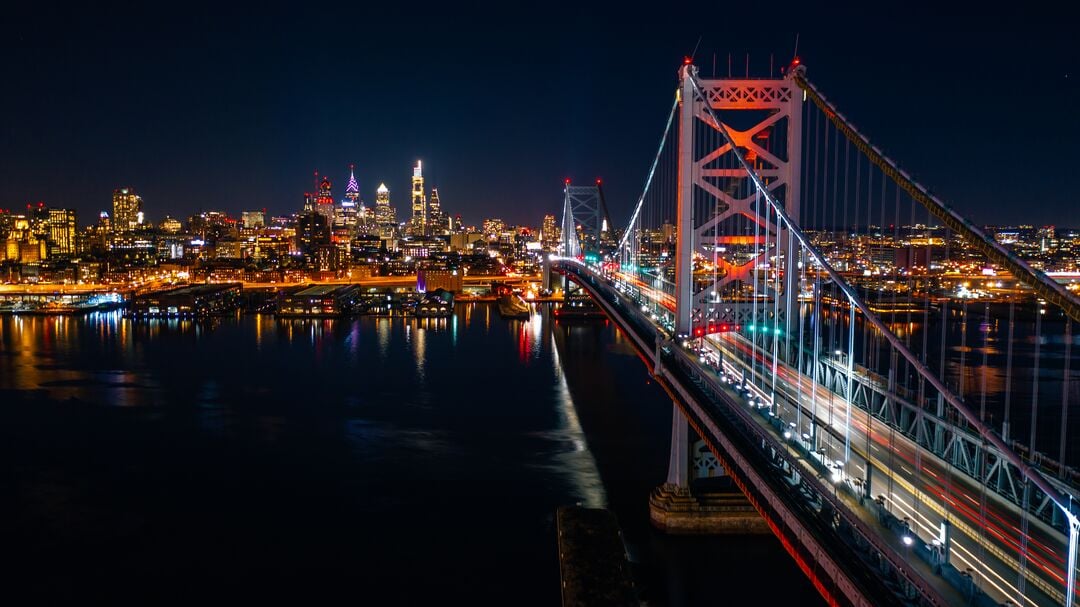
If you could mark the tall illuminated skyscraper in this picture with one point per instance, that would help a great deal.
(324, 199)
(350, 205)
(418, 224)
(127, 209)
(352, 189)
(549, 233)
(436, 223)
(62, 232)
(384, 213)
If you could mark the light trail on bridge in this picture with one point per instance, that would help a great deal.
(831, 413)
(749, 219)
(991, 534)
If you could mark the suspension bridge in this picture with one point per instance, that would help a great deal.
(809, 306)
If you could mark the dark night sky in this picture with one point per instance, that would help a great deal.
(232, 109)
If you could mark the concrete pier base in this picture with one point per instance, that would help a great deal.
(677, 511)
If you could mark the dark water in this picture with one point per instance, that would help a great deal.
(253, 460)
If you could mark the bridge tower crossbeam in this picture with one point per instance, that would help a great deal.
(776, 107)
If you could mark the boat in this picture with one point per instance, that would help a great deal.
(513, 306)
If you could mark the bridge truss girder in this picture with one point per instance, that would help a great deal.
(924, 425)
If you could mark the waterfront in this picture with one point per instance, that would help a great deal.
(257, 459)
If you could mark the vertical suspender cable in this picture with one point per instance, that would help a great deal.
(1065, 397)
(1035, 384)
(1008, 374)
(775, 267)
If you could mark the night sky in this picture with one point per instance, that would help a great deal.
(233, 109)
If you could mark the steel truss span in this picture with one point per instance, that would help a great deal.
(790, 286)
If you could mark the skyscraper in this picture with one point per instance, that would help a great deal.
(127, 209)
(436, 223)
(352, 189)
(384, 213)
(493, 228)
(350, 205)
(63, 230)
(324, 199)
(418, 223)
(549, 233)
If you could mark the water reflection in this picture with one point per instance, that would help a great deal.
(580, 465)
(210, 433)
(419, 348)
(382, 331)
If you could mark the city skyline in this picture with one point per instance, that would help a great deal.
(507, 113)
(281, 288)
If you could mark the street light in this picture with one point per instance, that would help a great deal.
(906, 537)
(837, 475)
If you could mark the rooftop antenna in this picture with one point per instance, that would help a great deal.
(693, 53)
(796, 53)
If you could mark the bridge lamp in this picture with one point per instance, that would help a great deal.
(787, 434)
(906, 537)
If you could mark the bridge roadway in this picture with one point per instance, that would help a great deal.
(991, 538)
(920, 496)
(843, 551)
(1000, 540)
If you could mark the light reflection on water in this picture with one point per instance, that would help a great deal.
(579, 464)
(375, 445)
(224, 370)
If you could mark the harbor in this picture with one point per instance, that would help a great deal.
(196, 300)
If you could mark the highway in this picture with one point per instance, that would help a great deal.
(987, 531)
(987, 534)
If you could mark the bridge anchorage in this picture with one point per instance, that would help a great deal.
(887, 385)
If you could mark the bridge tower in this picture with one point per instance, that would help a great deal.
(586, 223)
(753, 111)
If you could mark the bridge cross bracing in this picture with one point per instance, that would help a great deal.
(784, 202)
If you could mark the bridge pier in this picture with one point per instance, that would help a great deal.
(707, 508)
